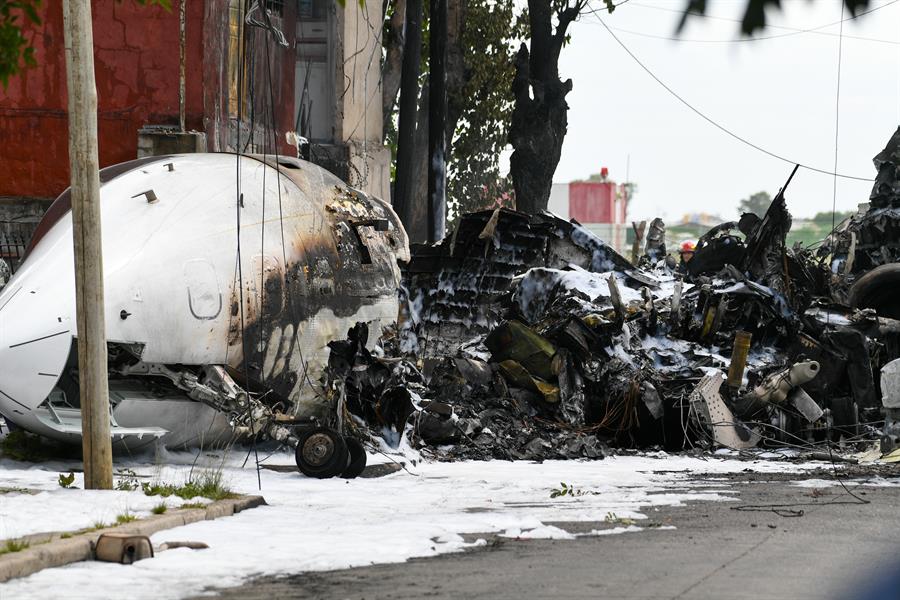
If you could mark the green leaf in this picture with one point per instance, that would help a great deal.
(66, 481)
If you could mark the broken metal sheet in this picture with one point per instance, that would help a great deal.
(514, 340)
(804, 403)
(715, 416)
(886, 191)
(455, 290)
(635, 356)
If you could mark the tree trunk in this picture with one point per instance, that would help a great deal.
(393, 63)
(437, 121)
(539, 124)
(540, 118)
(403, 198)
(418, 225)
(457, 75)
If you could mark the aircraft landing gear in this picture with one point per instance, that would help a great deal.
(321, 453)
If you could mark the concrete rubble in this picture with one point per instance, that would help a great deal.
(526, 337)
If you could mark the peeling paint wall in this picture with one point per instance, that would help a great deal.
(136, 60)
(137, 70)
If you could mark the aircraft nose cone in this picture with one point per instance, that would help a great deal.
(36, 331)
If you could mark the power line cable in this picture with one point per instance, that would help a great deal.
(837, 118)
(594, 11)
(715, 123)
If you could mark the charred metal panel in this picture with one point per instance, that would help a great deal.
(456, 289)
(257, 276)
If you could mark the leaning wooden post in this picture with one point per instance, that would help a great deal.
(85, 177)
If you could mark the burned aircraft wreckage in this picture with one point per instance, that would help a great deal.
(526, 337)
(225, 277)
(517, 337)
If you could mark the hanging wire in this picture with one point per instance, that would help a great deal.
(296, 332)
(716, 124)
(837, 116)
(242, 41)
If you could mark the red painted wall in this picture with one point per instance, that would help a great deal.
(595, 202)
(136, 62)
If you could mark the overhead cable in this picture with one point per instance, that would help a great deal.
(716, 124)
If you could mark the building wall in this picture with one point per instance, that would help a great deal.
(136, 63)
(559, 200)
(243, 109)
(595, 202)
(358, 118)
(137, 60)
(597, 205)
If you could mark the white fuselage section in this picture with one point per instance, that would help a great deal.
(237, 262)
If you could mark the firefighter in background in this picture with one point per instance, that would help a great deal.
(686, 250)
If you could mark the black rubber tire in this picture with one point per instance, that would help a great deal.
(877, 289)
(321, 453)
(357, 458)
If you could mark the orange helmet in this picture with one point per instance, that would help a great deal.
(688, 246)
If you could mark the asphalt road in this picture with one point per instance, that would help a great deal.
(833, 550)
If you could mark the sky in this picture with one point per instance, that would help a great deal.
(778, 93)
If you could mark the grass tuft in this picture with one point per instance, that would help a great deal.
(20, 445)
(13, 546)
(125, 517)
(159, 508)
(206, 484)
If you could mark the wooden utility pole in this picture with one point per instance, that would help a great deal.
(437, 121)
(85, 173)
(406, 128)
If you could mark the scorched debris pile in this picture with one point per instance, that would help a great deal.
(526, 337)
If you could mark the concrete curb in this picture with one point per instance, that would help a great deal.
(48, 550)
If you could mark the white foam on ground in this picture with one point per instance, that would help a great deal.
(312, 525)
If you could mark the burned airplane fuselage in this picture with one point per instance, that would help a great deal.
(225, 277)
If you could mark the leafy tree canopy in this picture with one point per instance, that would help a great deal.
(757, 204)
(474, 180)
(826, 217)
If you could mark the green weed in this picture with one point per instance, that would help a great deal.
(66, 481)
(206, 484)
(128, 481)
(19, 445)
(565, 489)
(125, 517)
(13, 546)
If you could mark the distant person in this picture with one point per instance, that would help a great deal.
(686, 250)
